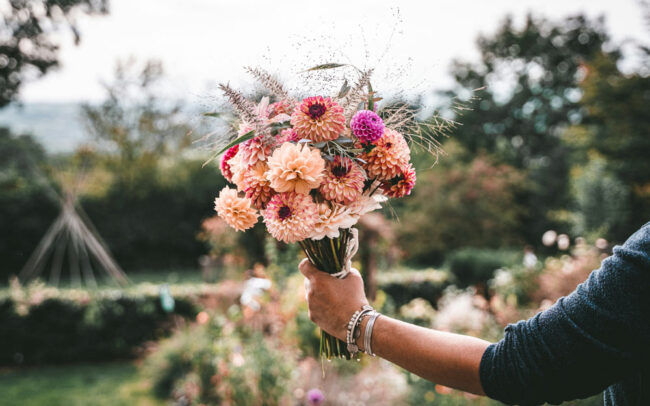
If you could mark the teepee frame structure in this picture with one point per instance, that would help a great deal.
(73, 242)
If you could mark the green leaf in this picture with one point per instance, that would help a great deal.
(344, 140)
(326, 66)
(371, 98)
(237, 141)
(280, 126)
(234, 142)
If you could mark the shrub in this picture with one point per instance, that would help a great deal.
(458, 205)
(216, 363)
(471, 266)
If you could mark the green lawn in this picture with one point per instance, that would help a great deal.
(89, 384)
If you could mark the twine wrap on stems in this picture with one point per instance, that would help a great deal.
(353, 247)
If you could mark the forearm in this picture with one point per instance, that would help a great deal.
(449, 359)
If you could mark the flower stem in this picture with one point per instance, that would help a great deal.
(328, 255)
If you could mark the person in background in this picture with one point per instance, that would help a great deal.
(597, 338)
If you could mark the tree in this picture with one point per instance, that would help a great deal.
(156, 200)
(136, 125)
(617, 129)
(26, 48)
(531, 78)
(460, 205)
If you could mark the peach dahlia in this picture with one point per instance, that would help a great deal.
(318, 119)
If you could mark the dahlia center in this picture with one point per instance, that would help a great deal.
(316, 110)
(284, 212)
(397, 179)
(389, 144)
(340, 170)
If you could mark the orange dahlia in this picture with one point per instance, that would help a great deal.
(295, 168)
(318, 119)
(386, 156)
(290, 217)
(235, 210)
(400, 185)
(256, 186)
(343, 181)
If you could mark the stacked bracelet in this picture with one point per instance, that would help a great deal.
(353, 330)
(367, 337)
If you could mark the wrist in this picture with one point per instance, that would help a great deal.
(354, 329)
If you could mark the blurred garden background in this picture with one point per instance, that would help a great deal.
(142, 296)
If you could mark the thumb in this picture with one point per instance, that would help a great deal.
(307, 268)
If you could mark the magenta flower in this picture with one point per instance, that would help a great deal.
(367, 126)
(315, 396)
(225, 165)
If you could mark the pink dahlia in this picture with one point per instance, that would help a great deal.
(343, 181)
(287, 135)
(225, 165)
(386, 156)
(254, 150)
(295, 168)
(290, 217)
(256, 186)
(318, 119)
(400, 185)
(244, 128)
(281, 107)
(367, 126)
(235, 210)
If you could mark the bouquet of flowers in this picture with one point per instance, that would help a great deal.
(312, 167)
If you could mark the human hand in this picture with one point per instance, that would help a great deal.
(332, 301)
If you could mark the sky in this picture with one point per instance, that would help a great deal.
(204, 42)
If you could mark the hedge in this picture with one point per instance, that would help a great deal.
(61, 326)
(471, 266)
(405, 285)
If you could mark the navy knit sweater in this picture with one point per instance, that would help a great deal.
(597, 338)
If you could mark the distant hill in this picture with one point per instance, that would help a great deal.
(57, 126)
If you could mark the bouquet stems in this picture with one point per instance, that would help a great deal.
(328, 255)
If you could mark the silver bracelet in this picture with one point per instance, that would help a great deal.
(367, 338)
(353, 326)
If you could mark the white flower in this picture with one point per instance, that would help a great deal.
(458, 313)
(366, 204)
(502, 277)
(331, 220)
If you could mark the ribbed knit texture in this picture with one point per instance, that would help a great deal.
(595, 339)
